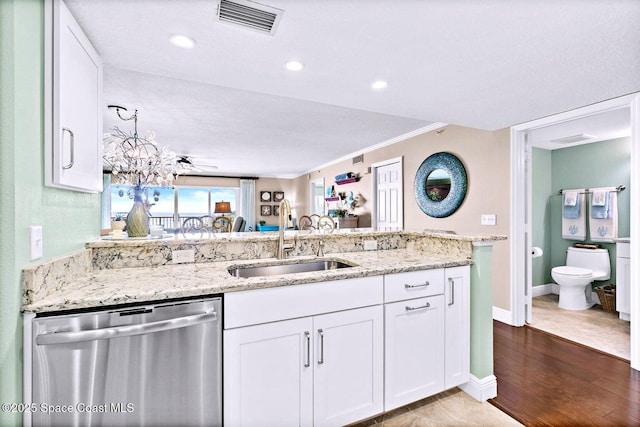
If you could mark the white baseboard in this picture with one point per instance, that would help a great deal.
(502, 315)
(481, 389)
(539, 290)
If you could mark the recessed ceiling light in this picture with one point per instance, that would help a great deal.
(380, 84)
(182, 41)
(293, 66)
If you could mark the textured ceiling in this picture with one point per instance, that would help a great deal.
(484, 64)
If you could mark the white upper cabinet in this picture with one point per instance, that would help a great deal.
(73, 96)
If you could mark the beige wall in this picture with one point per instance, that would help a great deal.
(486, 157)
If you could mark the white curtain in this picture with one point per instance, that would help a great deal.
(248, 203)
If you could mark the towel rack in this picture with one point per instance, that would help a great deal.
(618, 189)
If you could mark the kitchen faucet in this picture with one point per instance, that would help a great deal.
(284, 221)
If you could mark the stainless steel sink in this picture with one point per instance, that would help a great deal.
(288, 268)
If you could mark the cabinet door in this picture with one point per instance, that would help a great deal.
(414, 350)
(268, 374)
(349, 366)
(623, 291)
(74, 149)
(457, 335)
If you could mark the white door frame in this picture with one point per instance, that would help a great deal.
(520, 229)
(374, 190)
(312, 184)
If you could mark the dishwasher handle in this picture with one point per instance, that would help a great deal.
(124, 331)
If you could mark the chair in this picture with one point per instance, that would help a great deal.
(238, 224)
(325, 222)
(192, 225)
(221, 224)
(309, 222)
(305, 223)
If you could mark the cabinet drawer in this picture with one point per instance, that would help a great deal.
(413, 284)
(288, 302)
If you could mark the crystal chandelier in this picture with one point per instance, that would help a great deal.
(138, 161)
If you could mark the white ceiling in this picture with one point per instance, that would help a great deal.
(485, 64)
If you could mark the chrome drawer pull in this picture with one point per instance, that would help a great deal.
(307, 336)
(321, 358)
(72, 149)
(452, 289)
(423, 285)
(422, 307)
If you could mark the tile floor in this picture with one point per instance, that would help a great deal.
(594, 327)
(450, 408)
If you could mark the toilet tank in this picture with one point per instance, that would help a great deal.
(596, 260)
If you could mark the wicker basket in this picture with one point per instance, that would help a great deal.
(607, 295)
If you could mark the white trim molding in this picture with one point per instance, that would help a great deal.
(502, 315)
(481, 389)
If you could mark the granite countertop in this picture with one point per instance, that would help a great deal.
(99, 288)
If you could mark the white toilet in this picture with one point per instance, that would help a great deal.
(574, 279)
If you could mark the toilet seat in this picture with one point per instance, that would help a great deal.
(576, 272)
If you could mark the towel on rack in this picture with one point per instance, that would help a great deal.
(570, 205)
(574, 222)
(600, 203)
(603, 224)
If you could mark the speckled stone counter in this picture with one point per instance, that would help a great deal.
(121, 272)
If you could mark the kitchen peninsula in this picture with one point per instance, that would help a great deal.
(372, 285)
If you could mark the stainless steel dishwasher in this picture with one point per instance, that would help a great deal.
(148, 365)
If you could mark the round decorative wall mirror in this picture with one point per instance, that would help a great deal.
(440, 185)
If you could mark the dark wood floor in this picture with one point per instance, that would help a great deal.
(544, 380)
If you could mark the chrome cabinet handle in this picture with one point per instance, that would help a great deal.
(321, 358)
(422, 307)
(452, 289)
(124, 331)
(71, 147)
(423, 285)
(307, 336)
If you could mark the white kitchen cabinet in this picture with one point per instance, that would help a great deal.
(323, 370)
(427, 347)
(623, 278)
(457, 351)
(348, 376)
(73, 101)
(414, 354)
(268, 374)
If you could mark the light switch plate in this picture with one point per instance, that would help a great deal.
(183, 256)
(35, 242)
(488, 219)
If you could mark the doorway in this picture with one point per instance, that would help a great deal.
(521, 210)
(316, 192)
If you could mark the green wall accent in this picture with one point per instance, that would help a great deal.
(600, 164)
(69, 219)
(481, 312)
(540, 221)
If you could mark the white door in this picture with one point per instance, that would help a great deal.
(268, 375)
(316, 201)
(457, 327)
(348, 367)
(414, 350)
(388, 195)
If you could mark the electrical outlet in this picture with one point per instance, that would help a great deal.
(370, 245)
(35, 242)
(183, 256)
(488, 219)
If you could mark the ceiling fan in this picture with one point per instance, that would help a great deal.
(195, 164)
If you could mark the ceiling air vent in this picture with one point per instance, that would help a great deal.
(249, 14)
(573, 139)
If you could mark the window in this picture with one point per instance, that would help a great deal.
(162, 202)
